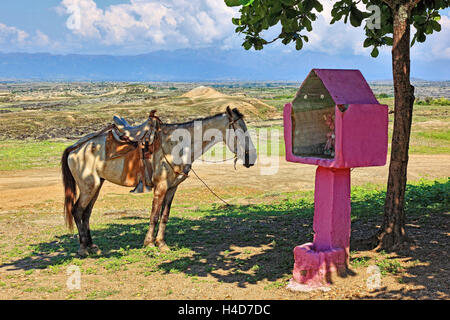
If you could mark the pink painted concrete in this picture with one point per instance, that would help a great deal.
(346, 86)
(329, 252)
(361, 137)
(332, 209)
(314, 268)
(361, 141)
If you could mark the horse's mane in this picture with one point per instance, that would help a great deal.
(191, 122)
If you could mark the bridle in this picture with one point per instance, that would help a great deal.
(231, 124)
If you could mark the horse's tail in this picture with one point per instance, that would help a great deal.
(70, 190)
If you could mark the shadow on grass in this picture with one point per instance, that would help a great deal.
(247, 244)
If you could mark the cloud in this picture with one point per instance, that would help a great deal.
(14, 39)
(340, 38)
(149, 23)
(12, 35)
(437, 45)
(337, 38)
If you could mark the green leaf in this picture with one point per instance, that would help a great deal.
(237, 3)
(356, 17)
(388, 41)
(236, 21)
(374, 52)
(419, 19)
(435, 25)
(308, 5)
(299, 44)
(288, 2)
(286, 39)
(413, 40)
(421, 37)
(307, 24)
(233, 3)
(247, 45)
(246, 2)
(368, 42)
(318, 6)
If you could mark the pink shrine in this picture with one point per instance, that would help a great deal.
(336, 123)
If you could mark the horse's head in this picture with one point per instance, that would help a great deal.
(238, 138)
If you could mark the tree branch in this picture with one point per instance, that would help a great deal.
(413, 3)
(268, 42)
(390, 3)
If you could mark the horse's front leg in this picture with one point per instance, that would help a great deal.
(164, 218)
(158, 198)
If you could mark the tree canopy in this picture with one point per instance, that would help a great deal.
(297, 18)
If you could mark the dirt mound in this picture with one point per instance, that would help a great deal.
(252, 108)
(203, 92)
(207, 98)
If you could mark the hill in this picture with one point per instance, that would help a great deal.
(213, 101)
(203, 92)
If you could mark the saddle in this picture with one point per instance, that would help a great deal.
(137, 144)
(124, 132)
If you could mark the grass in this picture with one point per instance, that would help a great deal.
(391, 266)
(19, 155)
(433, 101)
(359, 262)
(101, 294)
(443, 135)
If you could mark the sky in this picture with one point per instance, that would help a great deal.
(131, 27)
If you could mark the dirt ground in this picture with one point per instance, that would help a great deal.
(423, 271)
(21, 189)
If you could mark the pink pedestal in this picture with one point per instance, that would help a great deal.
(315, 262)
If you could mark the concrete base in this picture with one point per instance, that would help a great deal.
(316, 262)
(300, 287)
(315, 268)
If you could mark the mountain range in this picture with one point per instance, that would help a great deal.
(207, 64)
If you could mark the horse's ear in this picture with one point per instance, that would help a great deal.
(239, 114)
(230, 113)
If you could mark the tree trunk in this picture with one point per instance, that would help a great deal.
(392, 235)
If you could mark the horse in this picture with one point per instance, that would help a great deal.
(85, 167)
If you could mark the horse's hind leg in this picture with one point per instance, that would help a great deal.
(85, 220)
(81, 206)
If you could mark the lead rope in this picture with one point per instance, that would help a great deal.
(235, 159)
(186, 175)
(210, 190)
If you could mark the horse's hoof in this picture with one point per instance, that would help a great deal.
(94, 249)
(163, 247)
(83, 252)
(149, 244)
